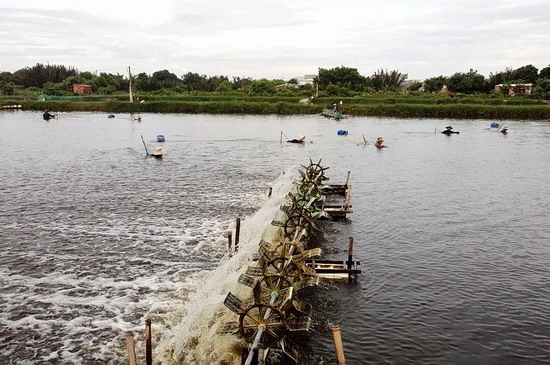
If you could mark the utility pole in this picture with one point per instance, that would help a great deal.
(130, 85)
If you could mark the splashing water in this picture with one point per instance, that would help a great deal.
(189, 333)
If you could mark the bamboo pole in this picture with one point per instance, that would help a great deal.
(337, 337)
(347, 178)
(148, 345)
(237, 233)
(131, 348)
(144, 145)
(229, 241)
(269, 192)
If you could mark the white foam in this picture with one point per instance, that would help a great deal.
(188, 334)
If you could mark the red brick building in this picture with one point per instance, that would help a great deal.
(82, 89)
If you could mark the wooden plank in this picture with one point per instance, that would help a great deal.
(341, 262)
(330, 210)
(338, 271)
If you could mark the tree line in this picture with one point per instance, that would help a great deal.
(337, 81)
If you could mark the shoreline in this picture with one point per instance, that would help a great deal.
(389, 107)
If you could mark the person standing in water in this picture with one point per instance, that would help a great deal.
(380, 143)
(47, 116)
(449, 130)
(300, 139)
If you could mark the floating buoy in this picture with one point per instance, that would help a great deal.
(160, 138)
(342, 132)
(110, 115)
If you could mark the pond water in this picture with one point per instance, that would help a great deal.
(452, 232)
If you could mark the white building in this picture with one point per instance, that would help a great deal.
(305, 80)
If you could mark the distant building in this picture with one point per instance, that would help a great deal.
(300, 81)
(513, 89)
(305, 80)
(82, 89)
(405, 86)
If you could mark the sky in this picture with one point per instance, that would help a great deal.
(278, 39)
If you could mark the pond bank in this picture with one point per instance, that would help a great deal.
(401, 108)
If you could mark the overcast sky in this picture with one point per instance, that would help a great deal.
(276, 39)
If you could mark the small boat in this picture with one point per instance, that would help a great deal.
(160, 138)
(329, 113)
(110, 115)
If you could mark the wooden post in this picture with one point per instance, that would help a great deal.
(349, 264)
(130, 92)
(337, 337)
(348, 196)
(269, 192)
(131, 348)
(229, 241)
(347, 179)
(350, 252)
(237, 233)
(148, 346)
(364, 140)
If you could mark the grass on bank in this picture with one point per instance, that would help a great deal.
(393, 105)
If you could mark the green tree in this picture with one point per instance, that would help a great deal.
(543, 85)
(240, 83)
(307, 90)
(39, 74)
(52, 88)
(545, 73)
(506, 76)
(527, 74)
(334, 90)
(6, 76)
(435, 84)
(212, 83)
(262, 87)
(166, 79)
(468, 83)
(106, 83)
(341, 76)
(6, 88)
(192, 80)
(387, 81)
(144, 82)
(224, 87)
(415, 86)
